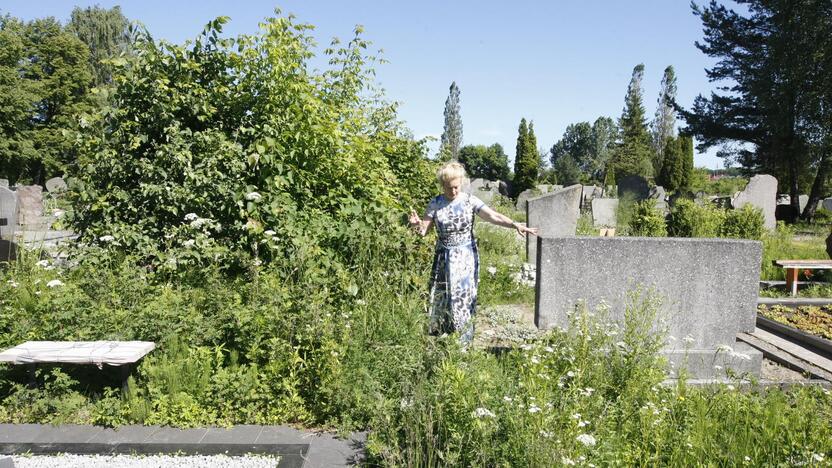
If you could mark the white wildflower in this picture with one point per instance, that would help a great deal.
(483, 413)
(576, 416)
(587, 391)
(361, 302)
(570, 374)
(747, 458)
(253, 196)
(546, 434)
(198, 222)
(586, 439)
(818, 457)
(508, 398)
(671, 338)
(525, 347)
(58, 213)
(688, 339)
(107, 238)
(405, 403)
(567, 461)
(730, 387)
(717, 367)
(534, 409)
(549, 349)
(42, 263)
(725, 348)
(13, 283)
(535, 360)
(191, 217)
(269, 233)
(54, 283)
(492, 270)
(621, 344)
(583, 423)
(189, 243)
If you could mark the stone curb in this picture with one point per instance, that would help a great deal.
(296, 448)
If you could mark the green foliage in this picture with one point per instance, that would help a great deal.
(567, 171)
(744, 223)
(677, 166)
(44, 84)
(687, 219)
(526, 159)
(633, 155)
(106, 34)
(226, 149)
(663, 127)
(583, 151)
(647, 220)
(486, 162)
(781, 244)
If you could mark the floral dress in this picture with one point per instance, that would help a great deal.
(455, 273)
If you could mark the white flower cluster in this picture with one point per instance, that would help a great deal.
(54, 283)
(483, 413)
(586, 439)
(253, 196)
(107, 238)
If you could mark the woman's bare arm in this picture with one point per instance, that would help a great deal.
(500, 219)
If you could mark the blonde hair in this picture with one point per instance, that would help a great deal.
(451, 171)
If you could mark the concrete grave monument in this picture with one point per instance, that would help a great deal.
(802, 200)
(521, 199)
(8, 213)
(634, 185)
(604, 212)
(658, 193)
(708, 288)
(4, 183)
(555, 214)
(56, 185)
(761, 192)
(826, 204)
(483, 189)
(29, 204)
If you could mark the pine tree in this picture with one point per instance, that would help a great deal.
(632, 156)
(452, 133)
(663, 127)
(526, 159)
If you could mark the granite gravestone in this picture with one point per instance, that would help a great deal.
(761, 192)
(658, 193)
(483, 189)
(802, 200)
(633, 186)
(29, 204)
(826, 204)
(523, 197)
(708, 288)
(4, 183)
(8, 213)
(56, 185)
(554, 214)
(604, 212)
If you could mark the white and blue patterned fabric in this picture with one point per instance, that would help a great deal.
(455, 273)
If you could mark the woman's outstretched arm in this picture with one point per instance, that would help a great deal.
(420, 225)
(499, 219)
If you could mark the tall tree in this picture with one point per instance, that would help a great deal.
(633, 152)
(105, 32)
(486, 162)
(774, 63)
(677, 169)
(44, 84)
(663, 127)
(575, 143)
(604, 134)
(526, 159)
(452, 133)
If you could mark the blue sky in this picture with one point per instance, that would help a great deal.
(553, 62)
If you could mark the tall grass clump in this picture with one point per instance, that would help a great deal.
(781, 244)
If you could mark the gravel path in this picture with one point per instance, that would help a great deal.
(131, 461)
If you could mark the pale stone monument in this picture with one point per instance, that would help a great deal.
(604, 212)
(761, 192)
(521, 199)
(8, 213)
(634, 185)
(29, 204)
(56, 185)
(708, 289)
(554, 214)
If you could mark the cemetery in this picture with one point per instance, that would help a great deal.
(225, 269)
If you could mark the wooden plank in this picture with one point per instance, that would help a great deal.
(808, 264)
(778, 355)
(794, 349)
(821, 344)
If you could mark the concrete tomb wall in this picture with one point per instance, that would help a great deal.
(709, 289)
(555, 214)
(761, 192)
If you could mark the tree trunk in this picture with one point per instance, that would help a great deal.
(818, 185)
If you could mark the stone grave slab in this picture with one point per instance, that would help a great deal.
(29, 204)
(523, 197)
(634, 185)
(554, 214)
(761, 192)
(8, 213)
(604, 212)
(56, 185)
(708, 286)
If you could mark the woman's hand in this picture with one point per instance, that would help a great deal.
(414, 219)
(522, 229)
(418, 224)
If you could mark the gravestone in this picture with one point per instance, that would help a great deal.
(521, 199)
(4, 183)
(29, 205)
(604, 212)
(483, 189)
(802, 200)
(56, 185)
(708, 289)
(658, 193)
(544, 188)
(784, 199)
(827, 204)
(8, 213)
(761, 192)
(634, 185)
(588, 193)
(554, 214)
(8, 251)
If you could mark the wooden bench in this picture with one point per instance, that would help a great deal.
(792, 267)
(122, 354)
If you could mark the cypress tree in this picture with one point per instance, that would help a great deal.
(632, 156)
(664, 123)
(686, 156)
(452, 133)
(525, 166)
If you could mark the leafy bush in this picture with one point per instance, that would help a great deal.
(744, 223)
(687, 219)
(647, 220)
(822, 216)
(226, 149)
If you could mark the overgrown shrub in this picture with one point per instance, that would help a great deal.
(744, 223)
(687, 219)
(647, 220)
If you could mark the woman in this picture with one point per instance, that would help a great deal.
(453, 281)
